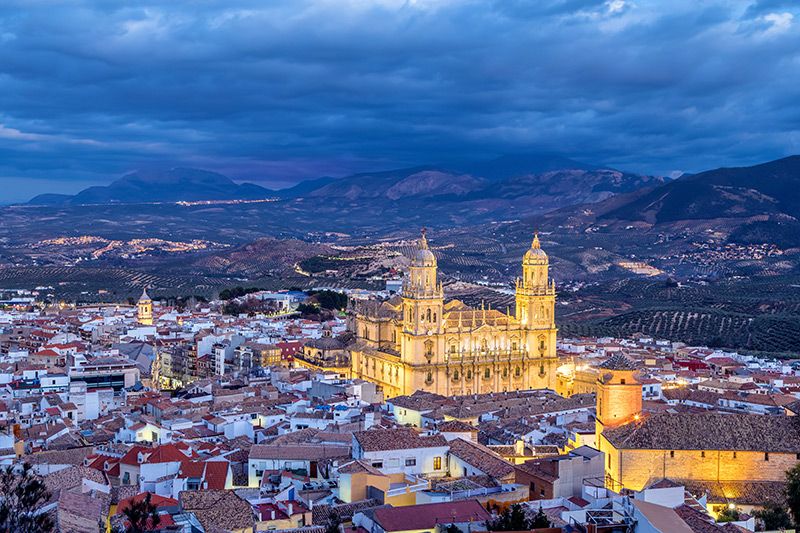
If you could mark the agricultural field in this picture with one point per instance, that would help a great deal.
(760, 314)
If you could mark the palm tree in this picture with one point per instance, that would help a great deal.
(142, 515)
(22, 494)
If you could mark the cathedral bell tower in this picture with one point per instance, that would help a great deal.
(423, 303)
(144, 309)
(535, 302)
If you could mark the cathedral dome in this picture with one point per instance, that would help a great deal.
(423, 257)
(535, 255)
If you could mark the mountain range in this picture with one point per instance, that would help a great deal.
(769, 188)
(746, 204)
(171, 185)
(538, 182)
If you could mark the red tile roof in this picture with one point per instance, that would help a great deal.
(155, 499)
(427, 516)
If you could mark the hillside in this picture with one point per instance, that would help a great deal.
(768, 189)
(260, 258)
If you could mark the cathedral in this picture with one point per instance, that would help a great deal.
(419, 341)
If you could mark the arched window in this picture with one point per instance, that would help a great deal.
(505, 372)
(469, 374)
(486, 373)
(434, 317)
(428, 315)
(429, 377)
(456, 375)
(517, 372)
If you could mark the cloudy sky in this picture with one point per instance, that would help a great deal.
(276, 91)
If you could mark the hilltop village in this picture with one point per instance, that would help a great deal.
(404, 412)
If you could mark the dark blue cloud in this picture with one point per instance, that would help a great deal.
(277, 91)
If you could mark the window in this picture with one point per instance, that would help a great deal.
(672, 454)
(517, 372)
(609, 461)
(411, 461)
(766, 456)
(734, 455)
(452, 348)
(469, 374)
(437, 463)
(377, 464)
(703, 453)
(456, 375)
(622, 381)
(486, 373)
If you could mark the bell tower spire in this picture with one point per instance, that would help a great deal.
(144, 309)
(535, 310)
(423, 299)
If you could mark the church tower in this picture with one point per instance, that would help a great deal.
(535, 310)
(619, 393)
(144, 309)
(423, 304)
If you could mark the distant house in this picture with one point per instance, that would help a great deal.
(306, 458)
(561, 476)
(402, 451)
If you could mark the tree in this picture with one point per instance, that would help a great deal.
(540, 519)
(512, 519)
(334, 523)
(23, 494)
(142, 515)
(330, 299)
(307, 309)
(773, 516)
(793, 492)
(728, 514)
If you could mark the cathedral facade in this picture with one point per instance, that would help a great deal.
(418, 341)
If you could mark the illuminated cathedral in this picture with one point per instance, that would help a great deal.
(419, 341)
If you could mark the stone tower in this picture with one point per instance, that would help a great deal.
(535, 311)
(144, 309)
(423, 306)
(619, 394)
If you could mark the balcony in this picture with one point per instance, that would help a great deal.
(411, 484)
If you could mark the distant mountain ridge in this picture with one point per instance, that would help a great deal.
(173, 185)
(542, 181)
(771, 188)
